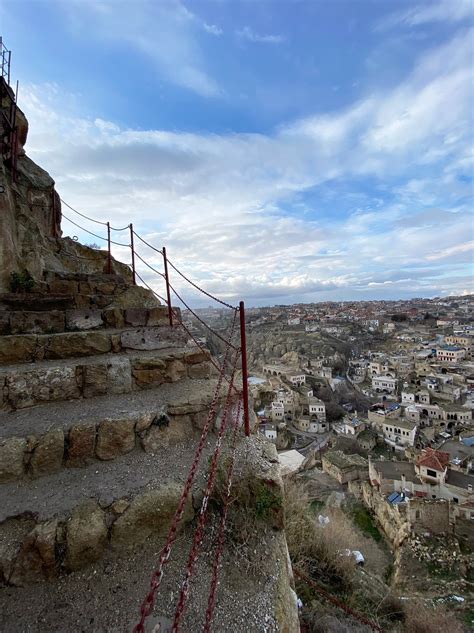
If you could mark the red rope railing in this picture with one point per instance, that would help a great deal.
(149, 601)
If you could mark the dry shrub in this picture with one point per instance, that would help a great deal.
(423, 618)
(313, 548)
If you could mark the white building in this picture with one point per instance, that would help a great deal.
(399, 433)
(296, 379)
(450, 354)
(384, 383)
(316, 407)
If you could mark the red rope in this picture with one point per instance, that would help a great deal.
(211, 603)
(203, 322)
(338, 603)
(149, 601)
(208, 294)
(151, 289)
(147, 244)
(150, 267)
(203, 514)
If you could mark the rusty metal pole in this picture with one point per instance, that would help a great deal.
(133, 255)
(109, 254)
(168, 294)
(245, 382)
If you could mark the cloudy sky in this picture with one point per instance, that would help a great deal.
(282, 151)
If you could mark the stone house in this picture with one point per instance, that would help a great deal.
(384, 383)
(450, 354)
(388, 476)
(344, 467)
(399, 433)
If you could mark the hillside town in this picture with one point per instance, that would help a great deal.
(379, 396)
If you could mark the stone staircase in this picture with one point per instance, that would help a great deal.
(100, 407)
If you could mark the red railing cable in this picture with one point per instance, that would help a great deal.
(149, 601)
(83, 214)
(203, 514)
(338, 603)
(211, 603)
(100, 237)
(151, 289)
(208, 294)
(148, 244)
(201, 321)
(158, 272)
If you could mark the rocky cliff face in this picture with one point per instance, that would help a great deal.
(30, 214)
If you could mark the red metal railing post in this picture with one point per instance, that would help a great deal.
(132, 247)
(168, 293)
(245, 383)
(109, 254)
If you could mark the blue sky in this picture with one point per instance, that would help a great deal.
(282, 151)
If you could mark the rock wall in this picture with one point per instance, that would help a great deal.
(392, 519)
(30, 220)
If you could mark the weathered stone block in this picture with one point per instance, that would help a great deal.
(176, 370)
(86, 536)
(146, 419)
(25, 389)
(149, 514)
(195, 356)
(37, 559)
(161, 435)
(105, 288)
(77, 344)
(201, 370)
(81, 445)
(94, 380)
(83, 319)
(47, 457)
(12, 454)
(149, 372)
(63, 287)
(119, 376)
(146, 339)
(113, 317)
(157, 316)
(85, 288)
(136, 317)
(18, 349)
(114, 438)
(47, 322)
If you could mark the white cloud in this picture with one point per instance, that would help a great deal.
(164, 32)
(219, 201)
(249, 34)
(430, 11)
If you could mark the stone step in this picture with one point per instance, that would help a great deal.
(79, 319)
(45, 439)
(26, 385)
(110, 537)
(255, 592)
(69, 519)
(31, 348)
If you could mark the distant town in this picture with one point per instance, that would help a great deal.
(378, 395)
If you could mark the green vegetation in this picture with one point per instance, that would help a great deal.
(266, 501)
(316, 505)
(364, 521)
(21, 282)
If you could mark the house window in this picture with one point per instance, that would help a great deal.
(431, 473)
(455, 500)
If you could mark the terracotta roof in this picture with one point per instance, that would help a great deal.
(436, 460)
